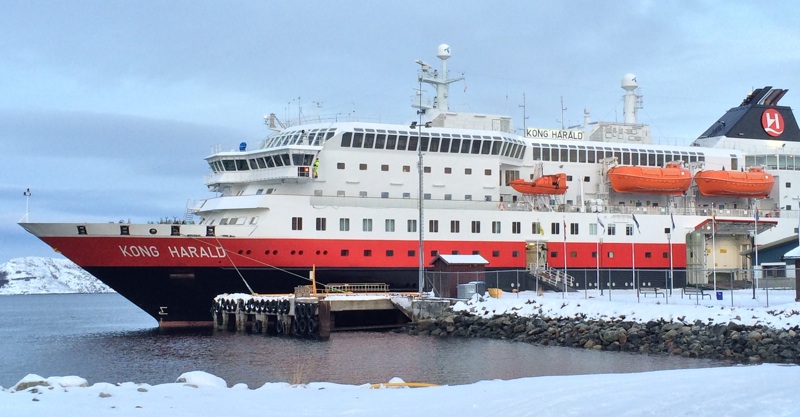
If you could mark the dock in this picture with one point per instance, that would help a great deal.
(312, 314)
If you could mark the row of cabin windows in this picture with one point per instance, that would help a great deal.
(774, 161)
(434, 142)
(609, 254)
(262, 162)
(405, 195)
(433, 253)
(390, 225)
(407, 168)
(315, 137)
(625, 156)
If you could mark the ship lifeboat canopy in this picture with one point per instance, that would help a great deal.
(555, 184)
(672, 179)
(753, 183)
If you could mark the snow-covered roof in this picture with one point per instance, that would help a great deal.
(793, 254)
(462, 259)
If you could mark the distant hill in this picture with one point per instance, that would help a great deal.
(35, 275)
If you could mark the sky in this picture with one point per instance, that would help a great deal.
(745, 390)
(107, 108)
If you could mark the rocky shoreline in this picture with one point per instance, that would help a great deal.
(730, 341)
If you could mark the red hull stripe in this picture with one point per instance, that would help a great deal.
(128, 251)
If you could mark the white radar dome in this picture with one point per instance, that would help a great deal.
(443, 52)
(629, 82)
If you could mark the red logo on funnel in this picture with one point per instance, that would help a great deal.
(772, 122)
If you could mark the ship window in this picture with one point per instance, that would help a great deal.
(402, 140)
(362, 167)
(426, 196)
(610, 255)
(468, 197)
(434, 253)
(391, 142)
(628, 230)
(455, 226)
(322, 223)
(487, 198)
(426, 169)
(345, 252)
(648, 255)
(486, 147)
(626, 158)
(581, 154)
(362, 193)
(612, 229)
(554, 254)
(496, 145)
(278, 160)
(340, 165)
(424, 142)
(788, 185)
(210, 230)
(366, 225)
(406, 168)
(412, 252)
(467, 171)
(270, 162)
(297, 223)
(516, 227)
(380, 141)
(124, 230)
(358, 139)
(369, 140)
(454, 145)
(594, 254)
(564, 155)
(487, 172)
(412, 143)
(241, 165)
(340, 193)
(344, 224)
(573, 254)
(573, 154)
(573, 228)
(389, 225)
(496, 227)
(175, 230)
(536, 152)
(229, 165)
(466, 146)
(476, 226)
(223, 221)
(406, 195)
(495, 254)
(665, 255)
(252, 162)
(445, 146)
(285, 158)
(448, 196)
(261, 163)
(384, 194)
(448, 170)
(254, 220)
(389, 252)
(411, 225)
(433, 226)
(434, 144)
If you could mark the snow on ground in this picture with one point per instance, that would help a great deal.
(736, 391)
(775, 308)
(37, 275)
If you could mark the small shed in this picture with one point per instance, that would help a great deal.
(794, 255)
(451, 270)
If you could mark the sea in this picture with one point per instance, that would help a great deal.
(105, 338)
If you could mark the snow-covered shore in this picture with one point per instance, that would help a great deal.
(740, 391)
(38, 275)
(753, 390)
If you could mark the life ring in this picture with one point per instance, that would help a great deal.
(257, 326)
(501, 206)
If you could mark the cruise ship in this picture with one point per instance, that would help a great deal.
(601, 206)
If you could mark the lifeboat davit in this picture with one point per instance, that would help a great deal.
(752, 183)
(547, 184)
(672, 179)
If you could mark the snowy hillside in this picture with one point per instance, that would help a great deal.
(34, 275)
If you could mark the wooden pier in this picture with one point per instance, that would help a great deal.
(307, 313)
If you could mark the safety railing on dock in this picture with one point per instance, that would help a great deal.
(356, 287)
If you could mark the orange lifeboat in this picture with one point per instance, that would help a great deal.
(672, 179)
(547, 184)
(752, 183)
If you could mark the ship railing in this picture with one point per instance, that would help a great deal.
(365, 287)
